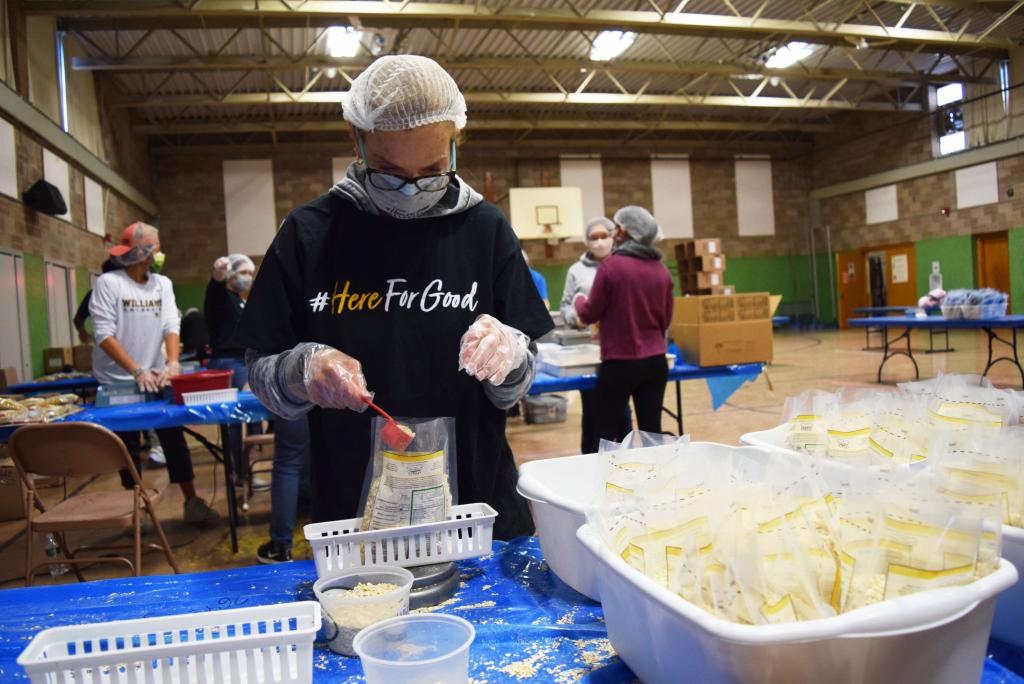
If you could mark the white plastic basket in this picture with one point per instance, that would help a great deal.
(240, 646)
(339, 545)
(217, 396)
(938, 636)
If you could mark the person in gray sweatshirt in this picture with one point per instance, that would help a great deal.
(598, 238)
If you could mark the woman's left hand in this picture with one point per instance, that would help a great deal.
(490, 350)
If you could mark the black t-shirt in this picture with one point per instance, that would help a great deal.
(222, 310)
(398, 296)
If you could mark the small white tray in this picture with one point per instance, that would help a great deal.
(217, 396)
(241, 646)
(339, 545)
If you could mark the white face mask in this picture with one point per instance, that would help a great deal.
(408, 202)
(600, 248)
(242, 283)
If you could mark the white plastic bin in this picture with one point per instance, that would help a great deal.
(1008, 625)
(339, 545)
(560, 490)
(241, 646)
(934, 637)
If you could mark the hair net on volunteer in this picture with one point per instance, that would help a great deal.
(639, 223)
(239, 262)
(598, 221)
(398, 92)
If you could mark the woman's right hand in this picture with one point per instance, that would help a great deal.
(220, 269)
(335, 380)
(148, 381)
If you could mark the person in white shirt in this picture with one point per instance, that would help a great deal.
(134, 318)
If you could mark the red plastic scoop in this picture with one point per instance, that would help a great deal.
(394, 434)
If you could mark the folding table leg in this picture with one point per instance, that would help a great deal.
(1013, 358)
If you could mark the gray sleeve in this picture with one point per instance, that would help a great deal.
(517, 384)
(278, 380)
(566, 305)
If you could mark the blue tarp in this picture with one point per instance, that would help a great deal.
(525, 618)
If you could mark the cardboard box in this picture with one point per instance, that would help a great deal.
(82, 357)
(709, 262)
(57, 359)
(723, 290)
(721, 344)
(12, 493)
(704, 247)
(722, 308)
(704, 280)
(8, 377)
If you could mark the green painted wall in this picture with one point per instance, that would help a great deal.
(1017, 270)
(956, 261)
(189, 295)
(555, 277)
(38, 316)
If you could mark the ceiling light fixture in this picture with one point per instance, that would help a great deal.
(787, 55)
(610, 44)
(343, 41)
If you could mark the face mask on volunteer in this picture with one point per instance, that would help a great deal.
(601, 247)
(405, 198)
(242, 283)
(158, 262)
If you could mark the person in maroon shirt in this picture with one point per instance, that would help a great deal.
(632, 301)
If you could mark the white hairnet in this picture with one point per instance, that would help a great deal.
(398, 92)
(238, 262)
(602, 221)
(639, 223)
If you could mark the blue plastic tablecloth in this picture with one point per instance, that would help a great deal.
(523, 616)
(544, 383)
(40, 387)
(162, 414)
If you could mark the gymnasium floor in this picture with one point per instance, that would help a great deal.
(824, 360)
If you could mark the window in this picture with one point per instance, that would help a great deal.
(952, 137)
(8, 160)
(60, 303)
(249, 205)
(670, 190)
(881, 205)
(94, 214)
(755, 206)
(586, 175)
(1004, 84)
(62, 81)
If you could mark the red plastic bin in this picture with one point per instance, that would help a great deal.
(200, 382)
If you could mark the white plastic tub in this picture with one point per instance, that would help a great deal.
(242, 646)
(560, 490)
(1008, 625)
(1009, 620)
(935, 637)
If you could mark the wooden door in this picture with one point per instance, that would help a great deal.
(850, 284)
(993, 250)
(900, 276)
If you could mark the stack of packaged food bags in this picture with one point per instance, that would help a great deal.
(881, 495)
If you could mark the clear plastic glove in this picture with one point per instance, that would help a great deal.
(335, 380)
(490, 350)
(163, 377)
(148, 381)
(220, 269)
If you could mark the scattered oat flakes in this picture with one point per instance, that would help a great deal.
(482, 604)
(524, 669)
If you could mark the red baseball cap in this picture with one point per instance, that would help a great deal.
(138, 234)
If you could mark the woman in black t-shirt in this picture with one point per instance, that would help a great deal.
(397, 281)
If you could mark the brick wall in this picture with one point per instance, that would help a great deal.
(870, 144)
(28, 231)
(920, 203)
(189, 193)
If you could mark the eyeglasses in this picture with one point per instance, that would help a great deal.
(394, 182)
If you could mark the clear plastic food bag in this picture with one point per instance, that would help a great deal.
(414, 486)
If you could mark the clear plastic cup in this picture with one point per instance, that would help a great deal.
(345, 615)
(429, 648)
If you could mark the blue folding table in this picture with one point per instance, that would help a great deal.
(545, 383)
(153, 415)
(75, 385)
(903, 311)
(991, 326)
(526, 619)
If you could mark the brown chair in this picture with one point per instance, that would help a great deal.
(81, 450)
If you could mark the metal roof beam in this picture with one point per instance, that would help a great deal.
(554, 99)
(266, 13)
(281, 63)
(199, 128)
